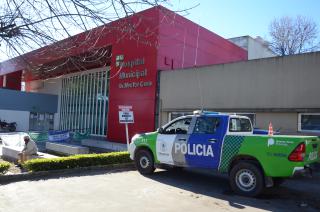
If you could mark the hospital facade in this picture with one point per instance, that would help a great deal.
(159, 64)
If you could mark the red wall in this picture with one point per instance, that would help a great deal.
(172, 39)
(1, 81)
(142, 99)
(162, 39)
(13, 80)
(183, 43)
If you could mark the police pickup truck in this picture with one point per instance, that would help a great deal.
(225, 143)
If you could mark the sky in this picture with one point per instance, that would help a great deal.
(233, 18)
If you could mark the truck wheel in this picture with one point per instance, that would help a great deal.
(246, 179)
(144, 162)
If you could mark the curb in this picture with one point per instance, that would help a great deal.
(5, 179)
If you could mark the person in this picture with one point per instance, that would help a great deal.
(29, 149)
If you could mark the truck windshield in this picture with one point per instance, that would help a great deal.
(239, 125)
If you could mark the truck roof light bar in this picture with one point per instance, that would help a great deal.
(202, 112)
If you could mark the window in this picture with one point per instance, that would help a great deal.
(178, 127)
(251, 116)
(239, 125)
(174, 115)
(207, 125)
(41, 121)
(309, 122)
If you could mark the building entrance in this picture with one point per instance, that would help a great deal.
(84, 102)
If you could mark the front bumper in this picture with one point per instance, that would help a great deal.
(132, 148)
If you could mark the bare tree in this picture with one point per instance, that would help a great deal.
(293, 35)
(26, 25)
(29, 24)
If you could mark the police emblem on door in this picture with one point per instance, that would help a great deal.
(163, 147)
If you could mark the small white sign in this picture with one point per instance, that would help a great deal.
(126, 117)
(125, 107)
(125, 114)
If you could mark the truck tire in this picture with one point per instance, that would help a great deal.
(246, 179)
(144, 162)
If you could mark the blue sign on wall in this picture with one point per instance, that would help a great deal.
(58, 135)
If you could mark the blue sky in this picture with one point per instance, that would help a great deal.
(232, 18)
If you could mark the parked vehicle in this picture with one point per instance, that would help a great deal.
(226, 143)
(11, 127)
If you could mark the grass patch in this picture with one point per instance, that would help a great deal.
(4, 166)
(77, 161)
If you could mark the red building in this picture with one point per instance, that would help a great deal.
(126, 57)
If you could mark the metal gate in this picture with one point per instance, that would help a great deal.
(84, 103)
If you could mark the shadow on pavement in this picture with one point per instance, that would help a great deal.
(291, 196)
(63, 174)
(295, 195)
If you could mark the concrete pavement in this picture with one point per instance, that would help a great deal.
(129, 191)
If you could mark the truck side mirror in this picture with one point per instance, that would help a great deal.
(160, 130)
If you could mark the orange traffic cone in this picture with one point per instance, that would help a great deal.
(270, 131)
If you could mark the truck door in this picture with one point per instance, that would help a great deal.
(204, 144)
(176, 132)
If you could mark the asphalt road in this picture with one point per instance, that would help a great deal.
(127, 190)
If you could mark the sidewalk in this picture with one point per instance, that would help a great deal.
(13, 169)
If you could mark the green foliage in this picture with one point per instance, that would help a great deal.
(77, 161)
(4, 166)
